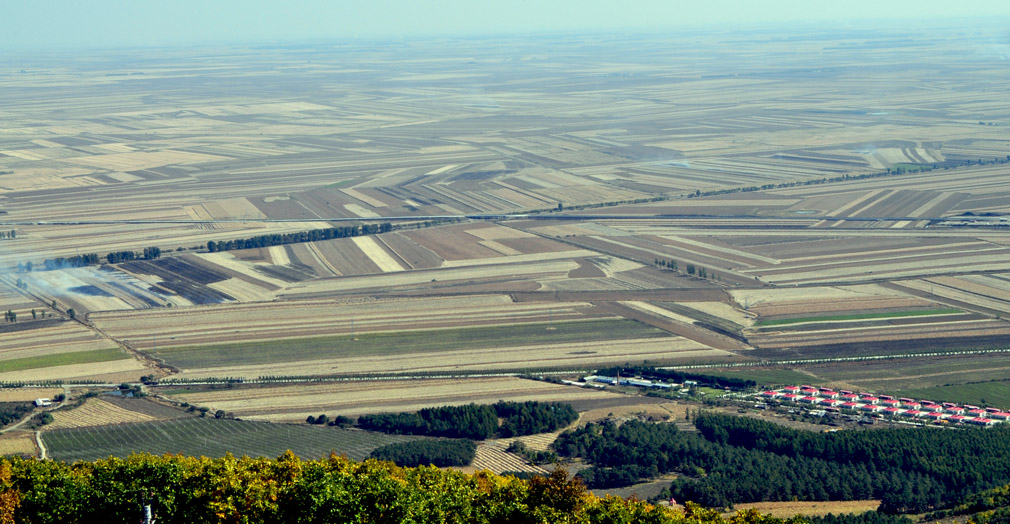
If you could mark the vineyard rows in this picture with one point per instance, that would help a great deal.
(213, 438)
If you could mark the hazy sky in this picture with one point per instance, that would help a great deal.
(114, 23)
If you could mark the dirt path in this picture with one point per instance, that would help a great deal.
(42, 447)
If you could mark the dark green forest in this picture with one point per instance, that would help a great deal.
(440, 453)
(473, 421)
(739, 459)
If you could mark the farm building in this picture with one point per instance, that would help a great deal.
(807, 400)
(936, 408)
(790, 397)
(911, 405)
(771, 394)
(981, 421)
(936, 417)
(1000, 415)
(893, 411)
(829, 402)
(890, 403)
(829, 394)
(791, 389)
(850, 405)
(954, 410)
(912, 413)
(39, 402)
(977, 412)
(957, 418)
(871, 408)
(870, 399)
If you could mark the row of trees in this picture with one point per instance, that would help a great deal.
(149, 253)
(8, 234)
(438, 453)
(691, 268)
(679, 377)
(473, 421)
(92, 259)
(313, 235)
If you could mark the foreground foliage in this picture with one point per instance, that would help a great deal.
(247, 490)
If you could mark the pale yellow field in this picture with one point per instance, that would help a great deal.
(295, 402)
(95, 371)
(18, 443)
(791, 509)
(95, 412)
(27, 394)
(589, 355)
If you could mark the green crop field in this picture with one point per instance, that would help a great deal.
(213, 438)
(984, 393)
(858, 316)
(764, 377)
(62, 359)
(404, 342)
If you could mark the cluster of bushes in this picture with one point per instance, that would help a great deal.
(474, 421)
(339, 421)
(313, 235)
(258, 490)
(11, 412)
(439, 453)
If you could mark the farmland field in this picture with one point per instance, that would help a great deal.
(211, 437)
(675, 201)
(403, 343)
(294, 402)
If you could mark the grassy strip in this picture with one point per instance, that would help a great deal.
(406, 342)
(996, 393)
(764, 377)
(859, 316)
(62, 359)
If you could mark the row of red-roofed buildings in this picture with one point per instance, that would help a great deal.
(944, 412)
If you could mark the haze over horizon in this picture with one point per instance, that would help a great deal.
(52, 25)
